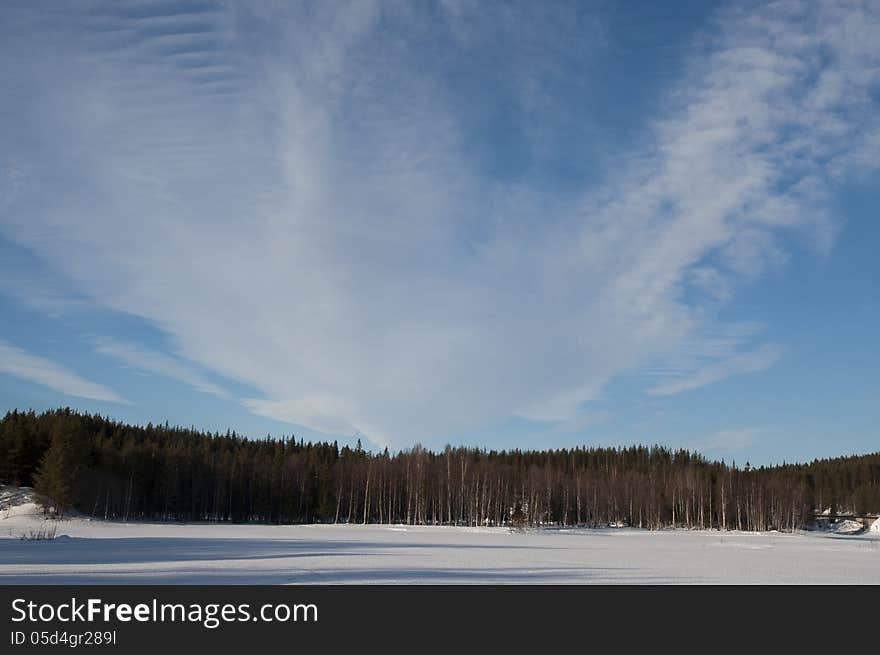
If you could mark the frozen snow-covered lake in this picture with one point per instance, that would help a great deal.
(160, 554)
(142, 553)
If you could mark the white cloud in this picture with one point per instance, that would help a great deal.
(710, 355)
(583, 421)
(727, 441)
(739, 364)
(17, 362)
(158, 363)
(310, 214)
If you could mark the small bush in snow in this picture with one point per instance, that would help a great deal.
(42, 534)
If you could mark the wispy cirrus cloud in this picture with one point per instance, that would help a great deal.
(739, 364)
(320, 209)
(39, 370)
(153, 361)
(722, 442)
(710, 355)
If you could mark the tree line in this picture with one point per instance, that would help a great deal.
(112, 470)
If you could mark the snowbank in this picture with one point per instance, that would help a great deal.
(847, 527)
(18, 502)
(20, 513)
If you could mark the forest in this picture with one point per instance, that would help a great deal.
(111, 470)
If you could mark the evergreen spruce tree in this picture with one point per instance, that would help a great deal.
(53, 480)
(114, 470)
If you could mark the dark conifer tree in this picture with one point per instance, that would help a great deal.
(116, 471)
(54, 481)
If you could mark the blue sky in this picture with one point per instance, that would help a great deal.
(498, 224)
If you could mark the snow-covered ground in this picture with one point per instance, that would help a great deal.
(90, 551)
